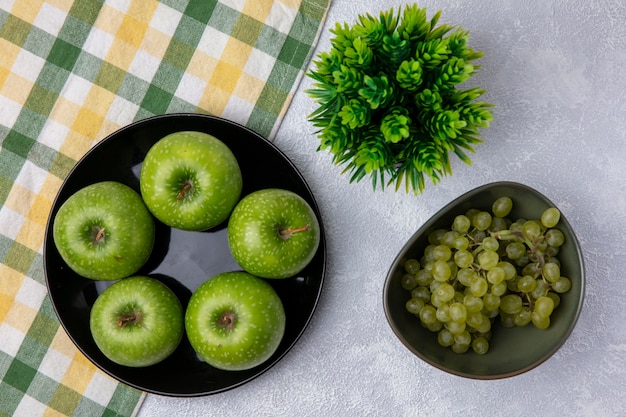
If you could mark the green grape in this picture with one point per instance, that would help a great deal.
(491, 243)
(480, 345)
(463, 338)
(423, 277)
(428, 253)
(414, 305)
(481, 220)
(445, 338)
(476, 235)
(499, 289)
(531, 230)
(449, 237)
(457, 348)
(463, 258)
(441, 271)
(555, 238)
(422, 293)
(515, 250)
(445, 292)
(502, 206)
(491, 301)
(435, 326)
(540, 290)
(442, 253)
(550, 217)
(473, 304)
(551, 272)
(458, 312)
(461, 224)
(540, 322)
(507, 320)
(522, 318)
(511, 304)
(408, 282)
(487, 335)
(434, 285)
(443, 313)
(465, 276)
(531, 269)
(509, 269)
(485, 326)
(434, 237)
(412, 266)
(479, 286)
(496, 275)
(523, 261)
(541, 245)
(562, 285)
(552, 251)
(428, 314)
(544, 306)
(475, 319)
(488, 259)
(453, 269)
(455, 327)
(436, 301)
(516, 226)
(555, 298)
(512, 284)
(491, 314)
(498, 224)
(461, 243)
(458, 297)
(526, 284)
(471, 213)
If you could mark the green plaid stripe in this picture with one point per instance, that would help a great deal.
(71, 73)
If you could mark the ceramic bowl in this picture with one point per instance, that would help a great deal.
(512, 351)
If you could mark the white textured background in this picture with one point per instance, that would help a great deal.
(556, 72)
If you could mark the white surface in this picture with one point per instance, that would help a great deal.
(555, 70)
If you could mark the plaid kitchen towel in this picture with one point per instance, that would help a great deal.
(73, 71)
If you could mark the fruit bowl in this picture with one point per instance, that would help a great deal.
(512, 351)
(182, 260)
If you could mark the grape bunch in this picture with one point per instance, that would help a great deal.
(486, 267)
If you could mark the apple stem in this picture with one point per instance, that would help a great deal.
(100, 234)
(227, 320)
(129, 318)
(286, 233)
(184, 190)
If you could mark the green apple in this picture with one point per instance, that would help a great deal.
(137, 321)
(104, 231)
(273, 233)
(190, 180)
(235, 321)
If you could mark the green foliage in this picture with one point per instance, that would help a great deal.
(390, 103)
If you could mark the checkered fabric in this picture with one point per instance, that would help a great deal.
(74, 71)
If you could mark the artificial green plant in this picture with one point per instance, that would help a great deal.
(389, 100)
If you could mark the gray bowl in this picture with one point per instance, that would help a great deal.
(512, 350)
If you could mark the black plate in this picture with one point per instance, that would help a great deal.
(181, 260)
